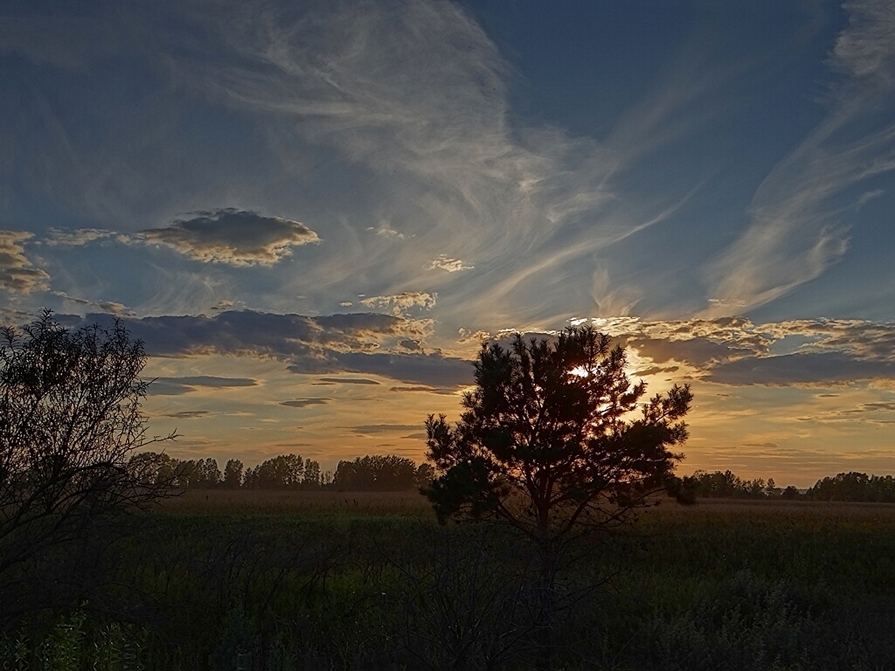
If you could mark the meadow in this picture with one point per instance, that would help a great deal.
(348, 580)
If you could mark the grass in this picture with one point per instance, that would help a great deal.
(323, 580)
(275, 502)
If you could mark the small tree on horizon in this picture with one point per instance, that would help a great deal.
(232, 478)
(376, 472)
(548, 445)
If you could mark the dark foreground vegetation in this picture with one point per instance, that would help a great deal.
(366, 581)
(540, 562)
(852, 486)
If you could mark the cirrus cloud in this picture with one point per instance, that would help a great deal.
(867, 46)
(17, 274)
(305, 402)
(78, 237)
(795, 232)
(175, 386)
(450, 265)
(399, 304)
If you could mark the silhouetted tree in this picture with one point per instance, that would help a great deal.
(719, 485)
(187, 473)
(285, 471)
(157, 467)
(790, 493)
(725, 485)
(425, 474)
(682, 489)
(281, 472)
(70, 418)
(346, 476)
(311, 478)
(755, 489)
(546, 445)
(233, 474)
(381, 473)
(179, 473)
(854, 486)
(208, 475)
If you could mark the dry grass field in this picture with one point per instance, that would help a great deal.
(273, 502)
(833, 510)
(366, 581)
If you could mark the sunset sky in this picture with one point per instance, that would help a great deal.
(313, 212)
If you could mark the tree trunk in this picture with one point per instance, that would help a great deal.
(546, 605)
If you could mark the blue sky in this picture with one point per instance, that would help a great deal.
(314, 212)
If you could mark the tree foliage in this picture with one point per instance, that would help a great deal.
(722, 485)
(70, 417)
(854, 486)
(381, 473)
(181, 474)
(285, 471)
(232, 478)
(549, 441)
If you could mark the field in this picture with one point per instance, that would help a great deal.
(196, 501)
(273, 580)
(271, 501)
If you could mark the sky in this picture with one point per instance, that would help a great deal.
(313, 213)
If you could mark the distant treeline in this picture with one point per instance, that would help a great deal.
(391, 473)
(851, 486)
(382, 473)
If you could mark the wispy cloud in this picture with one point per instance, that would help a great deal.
(407, 104)
(78, 237)
(450, 265)
(346, 380)
(175, 386)
(17, 274)
(386, 232)
(415, 95)
(399, 304)
(809, 369)
(111, 307)
(866, 49)
(796, 230)
(423, 389)
(372, 429)
(186, 414)
(880, 413)
(305, 402)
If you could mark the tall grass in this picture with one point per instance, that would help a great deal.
(375, 583)
(72, 644)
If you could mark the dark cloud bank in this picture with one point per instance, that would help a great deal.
(343, 343)
(371, 344)
(174, 386)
